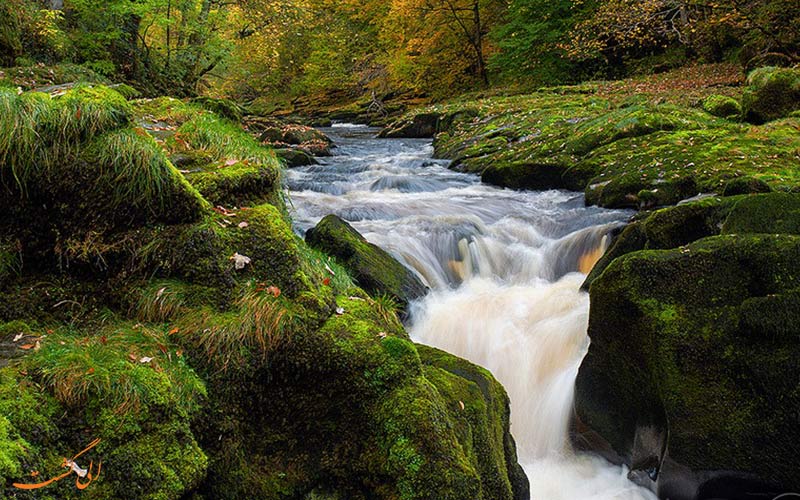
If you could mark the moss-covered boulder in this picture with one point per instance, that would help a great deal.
(126, 386)
(772, 93)
(372, 267)
(79, 174)
(350, 411)
(671, 227)
(691, 376)
(722, 106)
(295, 157)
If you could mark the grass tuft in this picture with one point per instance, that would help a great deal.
(161, 301)
(112, 367)
(38, 132)
(224, 139)
(261, 323)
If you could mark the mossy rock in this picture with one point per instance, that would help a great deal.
(418, 126)
(700, 342)
(745, 185)
(482, 425)
(238, 184)
(372, 267)
(270, 253)
(77, 388)
(722, 106)
(772, 93)
(672, 227)
(295, 157)
(392, 432)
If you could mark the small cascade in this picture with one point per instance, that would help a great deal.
(505, 269)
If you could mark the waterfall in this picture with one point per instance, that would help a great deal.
(505, 269)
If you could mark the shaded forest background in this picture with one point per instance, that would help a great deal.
(282, 49)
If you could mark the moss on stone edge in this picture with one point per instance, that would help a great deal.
(373, 268)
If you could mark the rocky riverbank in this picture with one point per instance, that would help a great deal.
(692, 375)
(173, 314)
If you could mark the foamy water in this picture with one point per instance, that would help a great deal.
(503, 268)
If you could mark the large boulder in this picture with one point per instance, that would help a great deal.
(772, 93)
(372, 267)
(691, 378)
(354, 411)
(672, 227)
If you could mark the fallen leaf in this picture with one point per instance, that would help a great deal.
(239, 261)
(145, 359)
(162, 348)
(161, 292)
(78, 114)
(326, 281)
(243, 225)
(330, 270)
(34, 473)
(103, 339)
(174, 331)
(340, 310)
(231, 162)
(383, 335)
(461, 404)
(89, 371)
(179, 353)
(132, 357)
(274, 290)
(27, 346)
(18, 336)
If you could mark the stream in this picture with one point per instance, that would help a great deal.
(504, 268)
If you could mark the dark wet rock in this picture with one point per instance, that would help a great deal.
(295, 157)
(420, 126)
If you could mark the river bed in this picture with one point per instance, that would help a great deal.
(504, 268)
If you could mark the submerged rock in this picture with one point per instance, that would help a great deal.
(372, 267)
(692, 374)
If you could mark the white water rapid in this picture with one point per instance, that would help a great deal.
(503, 267)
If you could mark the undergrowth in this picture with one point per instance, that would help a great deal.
(124, 366)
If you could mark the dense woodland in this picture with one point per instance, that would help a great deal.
(287, 48)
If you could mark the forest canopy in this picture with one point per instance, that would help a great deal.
(287, 48)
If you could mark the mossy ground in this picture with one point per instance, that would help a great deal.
(632, 144)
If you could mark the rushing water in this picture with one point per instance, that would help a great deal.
(504, 270)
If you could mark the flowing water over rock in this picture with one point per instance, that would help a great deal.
(504, 270)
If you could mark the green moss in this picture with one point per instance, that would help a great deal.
(239, 184)
(722, 106)
(372, 268)
(768, 213)
(772, 93)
